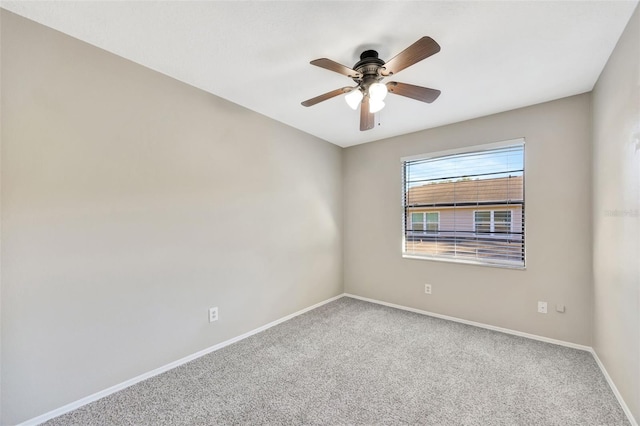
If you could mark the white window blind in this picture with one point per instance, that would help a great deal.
(466, 206)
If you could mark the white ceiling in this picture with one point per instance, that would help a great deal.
(495, 56)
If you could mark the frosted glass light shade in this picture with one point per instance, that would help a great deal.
(375, 105)
(377, 91)
(353, 98)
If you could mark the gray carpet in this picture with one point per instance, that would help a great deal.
(353, 362)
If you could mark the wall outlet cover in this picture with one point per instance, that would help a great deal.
(542, 307)
(213, 314)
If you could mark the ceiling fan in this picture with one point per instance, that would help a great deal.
(368, 73)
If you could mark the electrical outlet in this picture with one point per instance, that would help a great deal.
(542, 307)
(427, 288)
(213, 314)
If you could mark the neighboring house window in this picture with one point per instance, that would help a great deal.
(501, 221)
(425, 221)
(492, 221)
(483, 222)
(466, 205)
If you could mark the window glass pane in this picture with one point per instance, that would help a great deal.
(502, 221)
(502, 216)
(432, 217)
(483, 222)
(432, 226)
(483, 216)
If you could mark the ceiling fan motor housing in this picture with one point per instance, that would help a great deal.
(369, 66)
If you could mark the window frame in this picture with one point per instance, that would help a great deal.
(464, 150)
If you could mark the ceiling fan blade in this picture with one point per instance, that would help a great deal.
(418, 51)
(367, 119)
(336, 67)
(328, 95)
(419, 93)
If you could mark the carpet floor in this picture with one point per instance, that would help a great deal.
(354, 362)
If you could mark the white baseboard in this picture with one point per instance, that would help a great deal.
(98, 395)
(589, 349)
(476, 324)
(613, 387)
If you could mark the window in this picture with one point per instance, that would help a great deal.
(483, 222)
(492, 221)
(501, 222)
(425, 222)
(432, 220)
(466, 205)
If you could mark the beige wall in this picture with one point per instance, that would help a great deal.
(557, 163)
(616, 215)
(131, 203)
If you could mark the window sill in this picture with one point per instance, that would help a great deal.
(466, 262)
